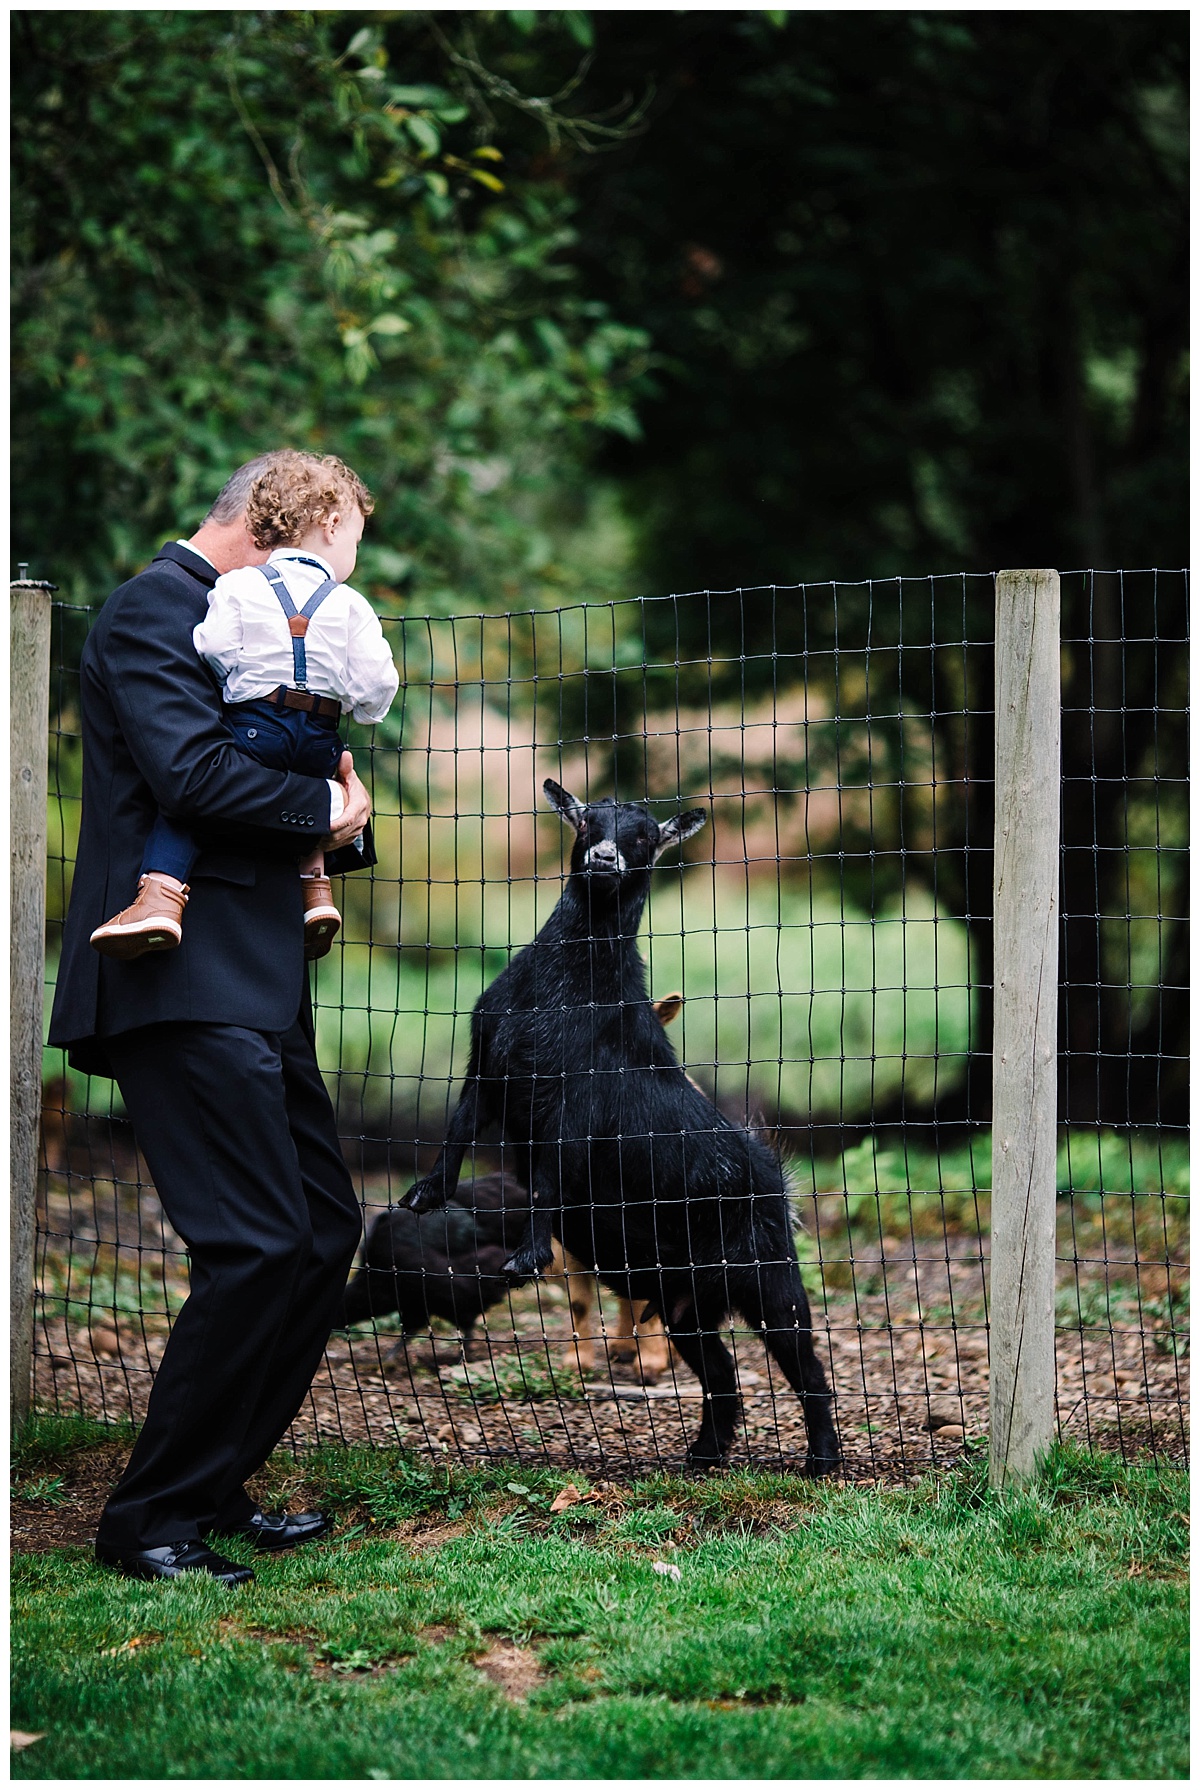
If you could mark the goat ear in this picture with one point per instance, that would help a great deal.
(568, 807)
(677, 830)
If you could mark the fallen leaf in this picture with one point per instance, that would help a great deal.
(666, 1569)
(130, 1646)
(17, 1739)
(570, 1495)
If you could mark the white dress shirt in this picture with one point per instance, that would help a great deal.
(245, 638)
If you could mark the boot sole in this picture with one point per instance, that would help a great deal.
(136, 941)
(319, 940)
(319, 934)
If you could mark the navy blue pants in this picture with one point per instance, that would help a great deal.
(284, 739)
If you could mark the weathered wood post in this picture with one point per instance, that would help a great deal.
(29, 716)
(1025, 1027)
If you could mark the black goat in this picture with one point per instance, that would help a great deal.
(627, 1161)
(446, 1264)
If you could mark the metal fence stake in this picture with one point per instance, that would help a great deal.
(29, 721)
(1024, 1039)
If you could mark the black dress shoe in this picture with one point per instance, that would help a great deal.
(277, 1529)
(172, 1562)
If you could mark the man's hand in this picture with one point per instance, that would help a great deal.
(356, 813)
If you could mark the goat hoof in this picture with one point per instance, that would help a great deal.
(703, 1460)
(422, 1197)
(823, 1461)
(528, 1262)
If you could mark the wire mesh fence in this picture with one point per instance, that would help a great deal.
(821, 957)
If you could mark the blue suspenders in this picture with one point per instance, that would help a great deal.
(298, 619)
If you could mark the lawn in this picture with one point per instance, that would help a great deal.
(744, 1626)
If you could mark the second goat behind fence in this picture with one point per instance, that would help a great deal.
(625, 1159)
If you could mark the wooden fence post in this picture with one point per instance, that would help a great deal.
(1025, 1028)
(29, 719)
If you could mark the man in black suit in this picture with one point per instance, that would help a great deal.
(212, 1047)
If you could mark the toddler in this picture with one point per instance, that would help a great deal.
(294, 647)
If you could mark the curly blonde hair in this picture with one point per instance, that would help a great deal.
(296, 491)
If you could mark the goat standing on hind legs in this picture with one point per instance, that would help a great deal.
(637, 1172)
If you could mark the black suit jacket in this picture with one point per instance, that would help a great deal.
(154, 737)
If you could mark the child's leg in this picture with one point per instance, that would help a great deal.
(322, 921)
(318, 752)
(154, 920)
(170, 850)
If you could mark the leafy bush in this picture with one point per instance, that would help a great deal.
(801, 1006)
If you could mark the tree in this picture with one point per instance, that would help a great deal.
(922, 283)
(315, 242)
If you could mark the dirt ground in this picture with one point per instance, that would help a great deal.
(902, 1332)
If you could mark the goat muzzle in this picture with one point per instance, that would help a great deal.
(604, 858)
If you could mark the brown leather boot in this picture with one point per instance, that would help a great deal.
(152, 923)
(322, 922)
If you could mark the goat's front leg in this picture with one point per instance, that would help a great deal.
(469, 1116)
(535, 1251)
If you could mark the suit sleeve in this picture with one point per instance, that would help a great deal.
(169, 712)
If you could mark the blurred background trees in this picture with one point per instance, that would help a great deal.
(239, 229)
(625, 302)
(810, 294)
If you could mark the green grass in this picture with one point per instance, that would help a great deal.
(812, 1632)
(48, 1438)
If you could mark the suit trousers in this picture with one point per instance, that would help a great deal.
(238, 1131)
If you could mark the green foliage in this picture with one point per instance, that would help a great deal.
(311, 245)
(516, 1378)
(898, 1189)
(382, 1485)
(1111, 1162)
(40, 1488)
(919, 292)
(797, 1004)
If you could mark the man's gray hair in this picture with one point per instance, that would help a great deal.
(231, 500)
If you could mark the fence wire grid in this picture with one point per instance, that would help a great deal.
(829, 934)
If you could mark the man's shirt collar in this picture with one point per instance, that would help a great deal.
(204, 556)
